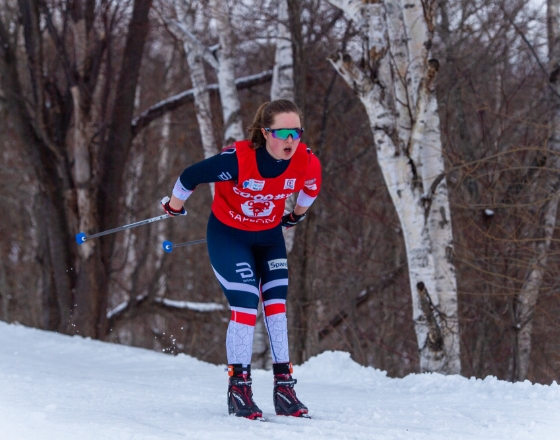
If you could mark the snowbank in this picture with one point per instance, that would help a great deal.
(59, 387)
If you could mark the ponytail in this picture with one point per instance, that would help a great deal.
(255, 134)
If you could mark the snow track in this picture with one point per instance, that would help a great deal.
(59, 387)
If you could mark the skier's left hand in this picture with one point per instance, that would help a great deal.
(291, 219)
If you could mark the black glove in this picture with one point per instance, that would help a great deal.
(169, 210)
(291, 219)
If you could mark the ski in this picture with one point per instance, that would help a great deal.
(263, 419)
(303, 416)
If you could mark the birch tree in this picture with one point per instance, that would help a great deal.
(221, 59)
(283, 71)
(395, 81)
(196, 54)
(231, 106)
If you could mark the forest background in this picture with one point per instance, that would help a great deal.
(115, 77)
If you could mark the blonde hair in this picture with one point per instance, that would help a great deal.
(265, 118)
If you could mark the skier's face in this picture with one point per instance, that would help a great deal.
(282, 149)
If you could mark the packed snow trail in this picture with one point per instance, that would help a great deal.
(59, 387)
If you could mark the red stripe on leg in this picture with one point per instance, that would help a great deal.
(244, 318)
(274, 309)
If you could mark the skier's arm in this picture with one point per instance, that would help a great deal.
(307, 195)
(217, 168)
(312, 187)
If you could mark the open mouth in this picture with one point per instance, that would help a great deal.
(288, 150)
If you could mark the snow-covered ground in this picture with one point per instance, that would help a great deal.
(60, 387)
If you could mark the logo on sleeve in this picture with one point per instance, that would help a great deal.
(280, 263)
(253, 185)
(290, 184)
(224, 176)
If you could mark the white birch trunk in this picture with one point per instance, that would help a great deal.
(528, 296)
(195, 55)
(231, 106)
(397, 72)
(283, 71)
(398, 95)
(440, 228)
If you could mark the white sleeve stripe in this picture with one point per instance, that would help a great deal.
(275, 283)
(240, 287)
(180, 191)
(305, 200)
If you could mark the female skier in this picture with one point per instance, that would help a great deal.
(253, 179)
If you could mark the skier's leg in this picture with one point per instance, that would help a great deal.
(273, 267)
(234, 265)
(272, 263)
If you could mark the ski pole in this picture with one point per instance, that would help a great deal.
(168, 245)
(81, 237)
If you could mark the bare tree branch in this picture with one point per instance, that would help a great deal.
(176, 101)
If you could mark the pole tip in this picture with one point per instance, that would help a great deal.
(80, 237)
(167, 246)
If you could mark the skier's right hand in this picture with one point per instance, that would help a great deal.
(169, 210)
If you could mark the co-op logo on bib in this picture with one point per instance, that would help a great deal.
(257, 208)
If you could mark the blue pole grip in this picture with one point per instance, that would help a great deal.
(80, 237)
(167, 246)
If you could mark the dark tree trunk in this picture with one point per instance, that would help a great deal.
(75, 286)
(115, 152)
(53, 180)
(460, 124)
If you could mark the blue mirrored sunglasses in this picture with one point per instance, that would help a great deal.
(284, 133)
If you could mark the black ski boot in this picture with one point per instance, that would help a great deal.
(284, 396)
(240, 394)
